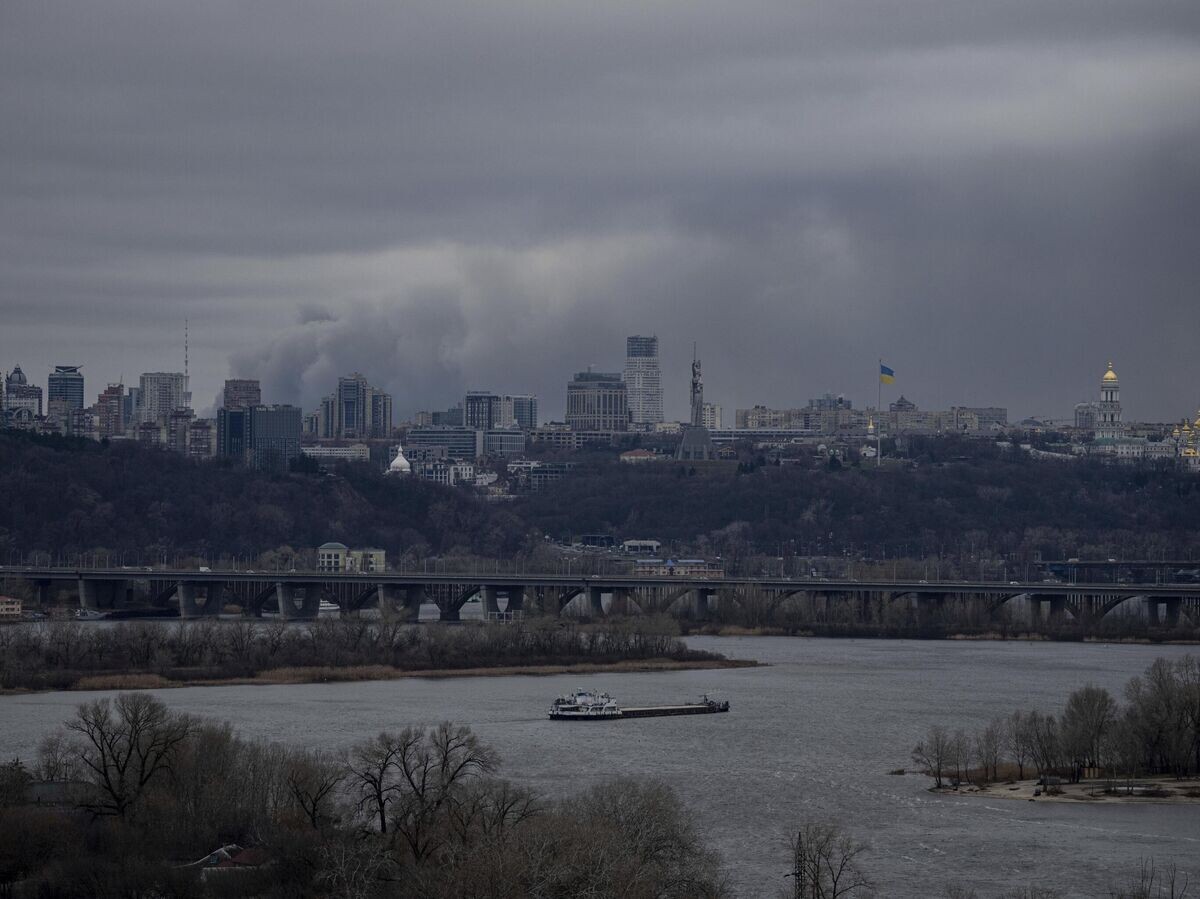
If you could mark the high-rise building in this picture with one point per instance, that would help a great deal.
(274, 436)
(266, 437)
(597, 401)
(643, 380)
(481, 410)
(523, 410)
(232, 427)
(711, 416)
(179, 423)
(241, 393)
(133, 406)
(160, 394)
(356, 410)
(201, 439)
(110, 411)
(66, 383)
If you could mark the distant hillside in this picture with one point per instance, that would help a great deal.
(77, 495)
(964, 498)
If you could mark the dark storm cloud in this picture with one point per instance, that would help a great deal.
(998, 198)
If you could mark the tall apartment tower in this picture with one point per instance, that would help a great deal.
(110, 411)
(355, 409)
(241, 393)
(161, 393)
(481, 410)
(65, 385)
(643, 380)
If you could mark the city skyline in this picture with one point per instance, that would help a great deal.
(993, 203)
(411, 405)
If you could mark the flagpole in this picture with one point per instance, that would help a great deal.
(879, 424)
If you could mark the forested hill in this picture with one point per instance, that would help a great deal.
(74, 496)
(994, 502)
(68, 495)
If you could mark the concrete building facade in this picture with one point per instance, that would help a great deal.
(65, 384)
(160, 393)
(597, 401)
(643, 380)
(241, 393)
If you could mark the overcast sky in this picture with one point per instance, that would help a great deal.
(997, 198)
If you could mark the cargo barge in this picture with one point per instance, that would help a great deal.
(584, 705)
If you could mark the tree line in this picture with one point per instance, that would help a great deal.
(419, 812)
(58, 654)
(1156, 731)
(964, 501)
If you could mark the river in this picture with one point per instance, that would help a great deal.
(810, 738)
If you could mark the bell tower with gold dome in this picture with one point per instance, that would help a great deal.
(1108, 410)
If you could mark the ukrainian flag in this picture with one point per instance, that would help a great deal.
(886, 375)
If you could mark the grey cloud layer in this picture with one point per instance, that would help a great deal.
(996, 197)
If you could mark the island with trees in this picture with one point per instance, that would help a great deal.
(1095, 749)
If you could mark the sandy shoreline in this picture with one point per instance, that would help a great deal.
(1163, 790)
(324, 675)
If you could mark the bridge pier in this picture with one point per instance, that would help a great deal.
(491, 606)
(516, 599)
(310, 605)
(1058, 609)
(96, 595)
(619, 605)
(1173, 605)
(699, 607)
(190, 608)
(396, 601)
(595, 601)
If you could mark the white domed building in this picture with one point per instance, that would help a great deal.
(399, 465)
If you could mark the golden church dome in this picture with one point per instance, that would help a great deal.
(1110, 375)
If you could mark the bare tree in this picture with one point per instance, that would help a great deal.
(489, 807)
(1150, 883)
(434, 766)
(933, 753)
(126, 744)
(1087, 721)
(57, 759)
(374, 771)
(1044, 743)
(960, 750)
(825, 864)
(312, 779)
(988, 747)
(1017, 741)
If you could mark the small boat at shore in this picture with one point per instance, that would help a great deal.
(586, 705)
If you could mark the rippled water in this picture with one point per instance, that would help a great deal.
(810, 738)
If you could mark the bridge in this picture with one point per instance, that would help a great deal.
(298, 594)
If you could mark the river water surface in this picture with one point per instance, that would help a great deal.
(809, 738)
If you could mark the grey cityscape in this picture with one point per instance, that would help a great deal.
(803, 395)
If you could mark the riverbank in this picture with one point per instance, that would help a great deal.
(359, 673)
(1104, 791)
(835, 632)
